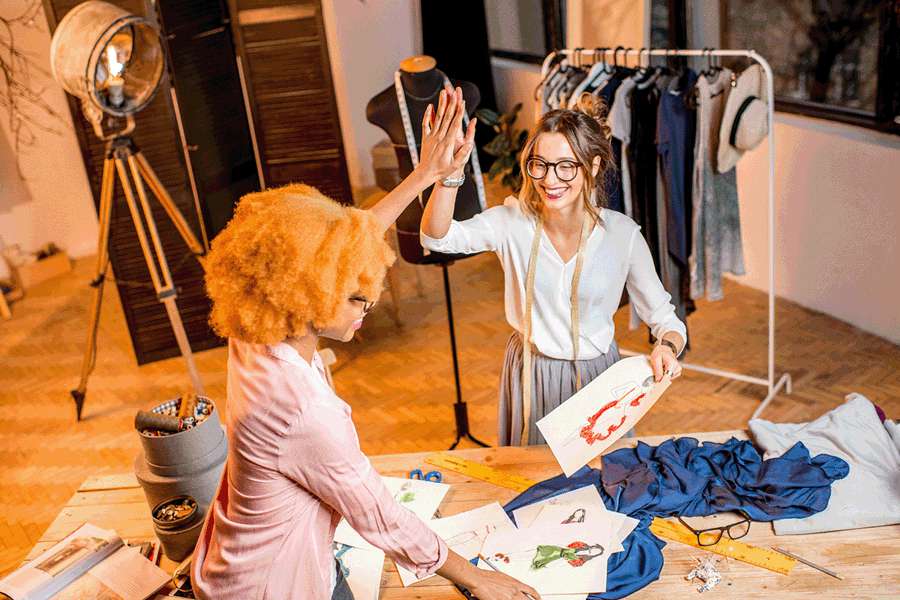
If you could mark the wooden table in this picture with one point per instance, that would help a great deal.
(868, 559)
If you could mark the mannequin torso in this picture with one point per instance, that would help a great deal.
(421, 87)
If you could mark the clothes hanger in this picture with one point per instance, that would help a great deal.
(551, 71)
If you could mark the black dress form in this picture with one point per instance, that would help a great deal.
(421, 89)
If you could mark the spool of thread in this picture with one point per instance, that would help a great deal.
(144, 419)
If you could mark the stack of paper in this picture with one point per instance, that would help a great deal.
(361, 562)
(560, 548)
(562, 545)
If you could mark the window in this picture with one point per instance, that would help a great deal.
(833, 59)
(525, 30)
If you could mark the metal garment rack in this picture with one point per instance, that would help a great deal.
(770, 383)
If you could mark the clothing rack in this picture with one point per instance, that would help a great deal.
(770, 382)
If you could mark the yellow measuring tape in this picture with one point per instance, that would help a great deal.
(754, 555)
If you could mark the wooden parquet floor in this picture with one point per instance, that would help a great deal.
(398, 381)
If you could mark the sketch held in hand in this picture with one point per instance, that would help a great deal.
(625, 398)
(582, 427)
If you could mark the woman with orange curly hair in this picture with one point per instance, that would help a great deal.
(293, 266)
(565, 258)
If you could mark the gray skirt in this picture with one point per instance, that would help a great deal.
(554, 383)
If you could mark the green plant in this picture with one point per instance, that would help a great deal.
(506, 146)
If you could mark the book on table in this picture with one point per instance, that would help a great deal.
(89, 563)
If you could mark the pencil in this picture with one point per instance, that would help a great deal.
(491, 565)
(809, 564)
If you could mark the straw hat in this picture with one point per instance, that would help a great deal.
(744, 123)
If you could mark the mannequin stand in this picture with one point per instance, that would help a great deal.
(460, 409)
(123, 156)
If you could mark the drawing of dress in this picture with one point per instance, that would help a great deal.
(339, 551)
(576, 517)
(625, 399)
(405, 494)
(576, 554)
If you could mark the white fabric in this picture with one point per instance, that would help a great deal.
(616, 255)
(893, 430)
(593, 74)
(870, 495)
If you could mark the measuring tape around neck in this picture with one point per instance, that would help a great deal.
(414, 149)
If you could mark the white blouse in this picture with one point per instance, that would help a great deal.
(616, 255)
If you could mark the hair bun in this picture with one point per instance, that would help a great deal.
(596, 108)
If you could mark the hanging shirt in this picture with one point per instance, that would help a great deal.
(675, 137)
(294, 468)
(716, 229)
(615, 256)
(620, 127)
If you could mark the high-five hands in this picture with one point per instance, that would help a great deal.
(445, 149)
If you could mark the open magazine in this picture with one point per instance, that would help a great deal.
(90, 563)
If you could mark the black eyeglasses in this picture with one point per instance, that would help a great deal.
(711, 536)
(537, 168)
(367, 304)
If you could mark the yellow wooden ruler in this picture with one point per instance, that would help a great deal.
(761, 557)
(480, 471)
(754, 555)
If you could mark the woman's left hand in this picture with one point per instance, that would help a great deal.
(664, 361)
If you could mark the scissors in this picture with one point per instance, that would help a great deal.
(434, 476)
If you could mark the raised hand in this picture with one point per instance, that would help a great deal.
(445, 149)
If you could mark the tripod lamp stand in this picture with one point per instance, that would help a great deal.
(113, 61)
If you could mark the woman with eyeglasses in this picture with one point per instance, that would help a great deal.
(290, 268)
(566, 259)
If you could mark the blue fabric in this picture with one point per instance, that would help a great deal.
(613, 185)
(681, 477)
(675, 133)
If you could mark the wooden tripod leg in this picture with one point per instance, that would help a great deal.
(107, 187)
(183, 343)
(168, 204)
(160, 275)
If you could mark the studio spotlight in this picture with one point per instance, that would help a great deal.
(113, 62)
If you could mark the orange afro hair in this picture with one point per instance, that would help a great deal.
(289, 257)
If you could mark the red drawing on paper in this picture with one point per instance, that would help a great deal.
(587, 432)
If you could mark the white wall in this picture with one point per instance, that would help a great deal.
(54, 202)
(366, 42)
(838, 215)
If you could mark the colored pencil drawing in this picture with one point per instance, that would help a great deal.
(625, 399)
(594, 418)
(362, 568)
(406, 494)
(339, 551)
(552, 558)
(577, 516)
(575, 553)
(464, 538)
